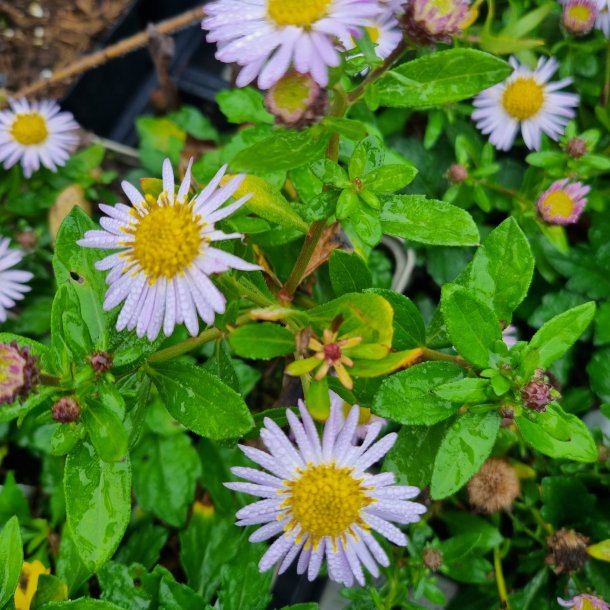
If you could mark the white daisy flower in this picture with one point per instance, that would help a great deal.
(603, 18)
(320, 499)
(528, 101)
(13, 283)
(384, 32)
(36, 133)
(162, 270)
(267, 37)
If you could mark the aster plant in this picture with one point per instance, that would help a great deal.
(351, 327)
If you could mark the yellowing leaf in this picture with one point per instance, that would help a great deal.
(600, 551)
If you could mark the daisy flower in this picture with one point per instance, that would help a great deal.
(563, 202)
(320, 499)
(161, 272)
(528, 101)
(430, 21)
(12, 283)
(18, 372)
(603, 18)
(584, 602)
(579, 16)
(267, 37)
(35, 133)
(384, 33)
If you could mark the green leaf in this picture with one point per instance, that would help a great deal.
(165, 472)
(194, 123)
(11, 560)
(368, 155)
(502, 268)
(49, 589)
(428, 221)
(439, 78)
(262, 341)
(556, 337)
(600, 551)
(118, 587)
(348, 273)
(599, 373)
(558, 435)
(244, 106)
(282, 150)
(106, 431)
(200, 401)
(409, 327)
(390, 178)
(465, 447)
(98, 503)
(84, 603)
(472, 390)
(471, 324)
(159, 138)
(408, 397)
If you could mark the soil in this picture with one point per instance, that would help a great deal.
(41, 36)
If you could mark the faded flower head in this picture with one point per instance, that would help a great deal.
(35, 133)
(433, 559)
(296, 100)
(268, 37)
(576, 148)
(584, 601)
(537, 394)
(579, 16)
(495, 487)
(18, 372)
(320, 499)
(101, 362)
(165, 254)
(430, 21)
(568, 550)
(563, 202)
(457, 173)
(13, 283)
(66, 410)
(525, 101)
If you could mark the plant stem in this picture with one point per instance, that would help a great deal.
(184, 347)
(355, 94)
(606, 89)
(49, 380)
(431, 354)
(500, 579)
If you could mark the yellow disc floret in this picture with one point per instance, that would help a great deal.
(325, 501)
(301, 13)
(523, 98)
(29, 128)
(167, 240)
(579, 13)
(443, 7)
(292, 92)
(373, 32)
(559, 203)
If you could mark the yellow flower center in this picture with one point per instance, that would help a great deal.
(302, 13)
(167, 240)
(373, 32)
(586, 604)
(326, 501)
(559, 204)
(579, 13)
(523, 98)
(443, 7)
(292, 92)
(29, 128)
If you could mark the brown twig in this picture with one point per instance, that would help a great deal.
(116, 50)
(14, 13)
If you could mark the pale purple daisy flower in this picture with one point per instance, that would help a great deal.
(584, 602)
(563, 202)
(162, 270)
(13, 283)
(579, 16)
(36, 133)
(603, 18)
(18, 372)
(384, 32)
(320, 499)
(525, 100)
(268, 37)
(510, 336)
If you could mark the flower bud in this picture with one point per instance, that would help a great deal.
(576, 148)
(536, 395)
(457, 173)
(433, 559)
(578, 17)
(568, 550)
(101, 362)
(296, 100)
(66, 410)
(27, 239)
(430, 21)
(495, 487)
(18, 372)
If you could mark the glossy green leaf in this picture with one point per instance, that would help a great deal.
(84, 603)
(262, 341)
(106, 431)
(439, 78)
(49, 589)
(11, 559)
(408, 397)
(390, 178)
(98, 503)
(465, 447)
(245, 105)
(348, 273)
(471, 390)
(200, 401)
(428, 221)
(471, 324)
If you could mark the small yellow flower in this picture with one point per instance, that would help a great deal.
(28, 583)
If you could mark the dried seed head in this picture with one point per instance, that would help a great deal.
(66, 410)
(568, 550)
(18, 372)
(101, 362)
(536, 395)
(457, 173)
(495, 487)
(433, 559)
(430, 21)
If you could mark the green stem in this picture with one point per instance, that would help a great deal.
(252, 294)
(184, 347)
(431, 354)
(500, 579)
(606, 89)
(49, 380)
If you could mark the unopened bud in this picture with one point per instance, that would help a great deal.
(568, 550)
(101, 362)
(433, 559)
(457, 173)
(576, 148)
(431, 21)
(579, 16)
(536, 394)
(66, 410)
(18, 372)
(27, 239)
(495, 487)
